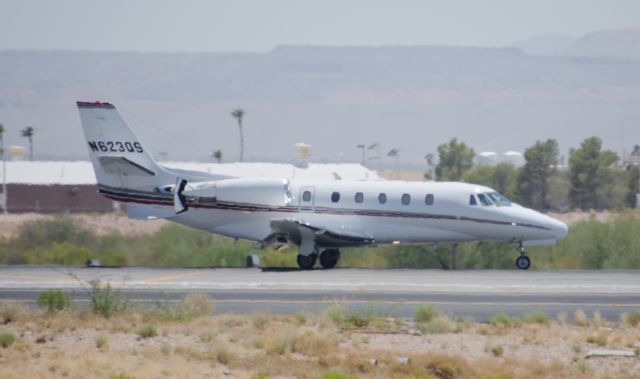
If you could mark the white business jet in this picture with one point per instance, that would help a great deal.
(318, 216)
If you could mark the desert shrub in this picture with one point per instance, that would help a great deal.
(105, 301)
(503, 319)
(536, 317)
(102, 341)
(359, 318)
(11, 311)
(121, 375)
(301, 318)
(191, 306)
(147, 331)
(64, 253)
(196, 304)
(336, 375)
(631, 318)
(261, 320)
(260, 375)
(222, 354)
(448, 367)
(276, 344)
(437, 325)
(53, 300)
(7, 339)
(346, 318)
(58, 229)
(497, 351)
(599, 339)
(597, 318)
(313, 344)
(335, 314)
(581, 318)
(426, 312)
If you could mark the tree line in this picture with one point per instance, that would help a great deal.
(593, 179)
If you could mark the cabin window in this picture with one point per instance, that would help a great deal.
(406, 199)
(472, 200)
(428, 199)
(382, 198)
(335, 197)
(484, 200)
(359, 197)
(306, 196)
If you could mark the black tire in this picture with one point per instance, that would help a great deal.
(329, 258)
(306, 262)
(523, 262)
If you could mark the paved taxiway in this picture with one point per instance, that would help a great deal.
(475, 294)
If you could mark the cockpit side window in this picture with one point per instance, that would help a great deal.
(472, 200)
(499, 199)
(484, 200)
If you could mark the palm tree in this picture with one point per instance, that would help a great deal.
(28, 133)
(238, 114)
(217, 155)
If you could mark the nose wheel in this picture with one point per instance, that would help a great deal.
(523, 262)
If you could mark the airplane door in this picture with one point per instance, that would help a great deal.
(306, 200)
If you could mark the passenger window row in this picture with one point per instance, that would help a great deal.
(382, 198)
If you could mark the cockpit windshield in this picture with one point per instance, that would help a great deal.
(484, 199)
(499, 199)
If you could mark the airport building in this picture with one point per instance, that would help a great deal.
(40, 186)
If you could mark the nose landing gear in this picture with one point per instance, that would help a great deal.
(523, 262)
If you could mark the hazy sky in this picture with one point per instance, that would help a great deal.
(258, 25)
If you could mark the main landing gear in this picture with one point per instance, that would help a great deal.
(328, 259)
(523, 262)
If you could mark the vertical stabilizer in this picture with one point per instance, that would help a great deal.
(118, 156)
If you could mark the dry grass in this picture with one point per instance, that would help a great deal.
(77, 344)
(581, 318)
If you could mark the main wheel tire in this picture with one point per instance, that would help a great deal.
(329, 258)
(306, 262)
(523, 262)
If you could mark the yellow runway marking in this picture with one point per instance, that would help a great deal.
(166, 278)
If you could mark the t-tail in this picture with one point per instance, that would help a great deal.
(124, 168)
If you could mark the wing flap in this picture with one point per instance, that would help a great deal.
(292, 229)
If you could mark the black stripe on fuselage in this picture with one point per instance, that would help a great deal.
(153, 198)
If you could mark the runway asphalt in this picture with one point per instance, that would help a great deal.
(463, 294)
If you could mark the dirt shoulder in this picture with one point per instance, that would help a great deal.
(81, 344)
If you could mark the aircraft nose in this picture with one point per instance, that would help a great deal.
(560, 229)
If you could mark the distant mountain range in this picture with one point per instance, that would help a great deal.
(616, 44)
(334, 98)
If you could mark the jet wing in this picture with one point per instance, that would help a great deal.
(294, 230)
